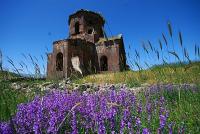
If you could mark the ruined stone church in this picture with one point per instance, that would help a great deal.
(87, 50)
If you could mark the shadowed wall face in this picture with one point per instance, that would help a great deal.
(59, 62)
(104, 63)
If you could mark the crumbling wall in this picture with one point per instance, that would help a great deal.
(87, 54)
(58, 47)
(114, 51)
(90, 27)
(111, 51)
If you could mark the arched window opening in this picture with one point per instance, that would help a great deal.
(90, 31)
(59, 62)
(90, 22)
(104, 63)
(77, 28)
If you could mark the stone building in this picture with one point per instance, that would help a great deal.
(87, 44)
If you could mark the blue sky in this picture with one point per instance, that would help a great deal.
(29, 26)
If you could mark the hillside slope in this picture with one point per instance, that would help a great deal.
(173, 73)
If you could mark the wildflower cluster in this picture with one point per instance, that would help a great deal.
(108, 111)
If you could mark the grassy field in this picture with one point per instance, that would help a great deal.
(177, 74)
(183, 106)
(8, 75)
(9, 100)
(183, 109)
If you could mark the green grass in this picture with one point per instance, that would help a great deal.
(10, 98)
(157, 74)
(186, 110)
(8, 75)
(183, 106)
(187, 73)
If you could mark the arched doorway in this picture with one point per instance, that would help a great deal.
(104, 63)
(59, 62)
(77, 28)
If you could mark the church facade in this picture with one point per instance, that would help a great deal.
(87, 49)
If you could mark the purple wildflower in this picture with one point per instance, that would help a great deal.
(162, 101)
(138, 122)
(162, 121)
(74, 123)
(148, 108)
(126, 114)
(101, 128)
(122, 126)
(96, 110)
(129, 127)
(145, 131)
(5, 128)
(113, 132)
(170, 128)
(139, 108)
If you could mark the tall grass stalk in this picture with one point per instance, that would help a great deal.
(166, 43)
(13, 65)
(181, 44)
(1, 61)
(171, 36)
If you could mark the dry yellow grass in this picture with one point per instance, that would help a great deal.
(151, 76)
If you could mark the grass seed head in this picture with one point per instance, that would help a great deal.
(165, 39)
(151, 47)
(195, 50)
(160, 43)
(180, 39)
(169, 28)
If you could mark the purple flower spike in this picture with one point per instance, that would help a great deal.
(126, 114)
(170, 128)
(138, 122)
(120, 110)
(139, 108)
(148, 107)
(74, 126)
(162, 121)
(122, 125)
(129, 127)
(5, 128)
(113, 132)
(101, 129)
(145, 131)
